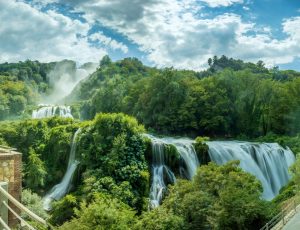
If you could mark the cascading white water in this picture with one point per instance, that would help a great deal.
(161, 173)
(187, 152)
(59, 190)
(269, 162)
(51, 111)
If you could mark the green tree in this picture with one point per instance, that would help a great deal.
(103, 213)
(35, 170)
(160, 219)
(105, 61)
(220, 197)
(34, 203)
(113, 147)
(63, 210)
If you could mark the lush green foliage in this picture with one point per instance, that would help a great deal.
(34, 203)
(160, 219)
(112, 149)
(28, 71)
(103, 213)
(24, 84)
(63, 210)
(45, 145)
(201, 149)
(285, 193)
(15, 96)
(20, 85)
(230, 98)
(35, 171)
(219, 197)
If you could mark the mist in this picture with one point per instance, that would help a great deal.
(63, 79)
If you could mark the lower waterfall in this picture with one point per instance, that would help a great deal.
(162, 175)
(59, 190)
(51, 111)
(269, 162)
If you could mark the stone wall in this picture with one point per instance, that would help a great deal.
(11, 172)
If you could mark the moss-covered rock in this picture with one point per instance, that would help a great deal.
(148, 151)
(201, 149)
(172, 158)
(171, 155)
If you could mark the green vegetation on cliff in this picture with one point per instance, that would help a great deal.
(230, 98)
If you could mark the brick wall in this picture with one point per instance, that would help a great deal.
(11, 172)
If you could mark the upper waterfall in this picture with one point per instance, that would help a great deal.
(269, 162)
(52, 110)
(59, 190)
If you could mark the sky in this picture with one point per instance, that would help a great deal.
(161, 33)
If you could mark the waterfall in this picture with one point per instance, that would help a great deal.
(59, 190)
(51, 111)
(269, 162)
(161, 173)
(188, 154)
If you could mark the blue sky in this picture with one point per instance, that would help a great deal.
(163, 33)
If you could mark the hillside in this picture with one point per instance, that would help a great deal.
(107, 165)
(229, 98)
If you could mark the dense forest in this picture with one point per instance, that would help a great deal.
(121, 101)
(230, 98)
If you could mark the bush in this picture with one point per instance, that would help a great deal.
(103, 213)
(63, 210)
(220, 197)
(160, 219)
(35, 170)
(34, 203)
(285, 193)
(45, 148)
(112, 147)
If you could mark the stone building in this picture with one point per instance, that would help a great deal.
(11, 172)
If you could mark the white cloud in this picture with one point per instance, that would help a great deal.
(113, 44)
(218, 3)
(291, 27)
(172, 34)
(270, 50)
(27, 33)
